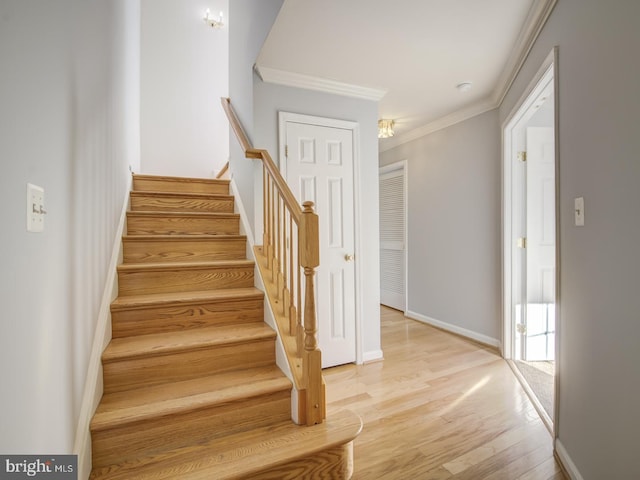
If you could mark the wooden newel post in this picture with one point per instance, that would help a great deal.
(309, 251)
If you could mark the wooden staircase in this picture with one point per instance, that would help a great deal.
(191, 387)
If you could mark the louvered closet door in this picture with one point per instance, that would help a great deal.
(392, 238)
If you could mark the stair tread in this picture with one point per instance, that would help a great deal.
(198, 338)
(213, 196)
(132, 267)
(181, 179)
(179, 237)
(156, 299)
(133, 406)
(162, 213)
(243, 454)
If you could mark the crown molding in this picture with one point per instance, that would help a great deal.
(299, 80)
(535, 21)
(442, 122)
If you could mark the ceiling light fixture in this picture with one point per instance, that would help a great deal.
(385, 128)
(214, 22)
(464, 86)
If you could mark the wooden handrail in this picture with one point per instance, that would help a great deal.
(249, 151)
(288, 228)
(223, 170)
(280, 183)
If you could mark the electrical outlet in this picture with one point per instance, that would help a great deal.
(35, 208)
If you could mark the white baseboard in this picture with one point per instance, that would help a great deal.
(372, 356)
(478, 337)
(93, 382)
(566, 461)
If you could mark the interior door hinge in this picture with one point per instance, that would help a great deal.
(286, 151)
(522, 242)
(521, 328)
(522, 156)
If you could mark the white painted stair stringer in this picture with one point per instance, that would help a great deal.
(245, 229)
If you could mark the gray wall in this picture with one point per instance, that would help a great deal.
(249, 24)
(271, 99)
(599, 130)
(69, 122)
(454, 224)
(257, 106)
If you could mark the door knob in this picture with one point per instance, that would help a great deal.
(349, 257)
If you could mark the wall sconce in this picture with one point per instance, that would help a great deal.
(385, 128)
(212, 21)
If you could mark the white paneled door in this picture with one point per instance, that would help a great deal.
(318, 166)
(393, 236)
(541, 244)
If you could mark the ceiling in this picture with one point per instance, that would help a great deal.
(408, 54)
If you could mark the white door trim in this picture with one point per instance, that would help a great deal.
(550, 64)
(404, 166)
(354, 127)
(521, 106)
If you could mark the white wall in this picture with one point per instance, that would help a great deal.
(269, 99)
(454, 226)
(599, 143)
(69, 94)
(184, 72)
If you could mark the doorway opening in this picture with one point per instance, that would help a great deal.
(393, 235)
(530, 243)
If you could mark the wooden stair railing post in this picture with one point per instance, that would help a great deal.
(265, 203)
(301, 238)
(312, 357)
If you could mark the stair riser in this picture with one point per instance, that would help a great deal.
(141, 202)
(141, 282)
(145, 438)
(335, 463)
(159, 319)
(159, 251)
(146, 371)
(182, 225)
(180, 186)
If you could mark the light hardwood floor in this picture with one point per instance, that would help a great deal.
(440, 407)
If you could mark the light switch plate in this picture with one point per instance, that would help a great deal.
(578, 209)
(35, 208)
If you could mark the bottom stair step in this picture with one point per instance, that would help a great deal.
(155, 419)
(282, 451)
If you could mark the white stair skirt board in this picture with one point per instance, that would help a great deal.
(566, 461)
(102, 336)
(245, 228)
(269, 318)
(478, 337)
